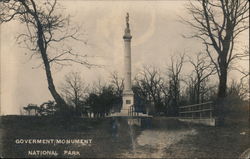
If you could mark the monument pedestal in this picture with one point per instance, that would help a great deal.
(128, 99)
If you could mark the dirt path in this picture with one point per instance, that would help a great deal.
(153, 143)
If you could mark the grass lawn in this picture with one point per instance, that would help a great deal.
(24, 127)
(229, 141)
(167, 138)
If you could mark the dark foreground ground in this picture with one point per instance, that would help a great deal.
(167, 138)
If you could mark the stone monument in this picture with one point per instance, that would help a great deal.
(128, 95)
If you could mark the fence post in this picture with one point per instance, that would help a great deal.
(210, 107)
(200, 112)
(132, 110)
(192, 112)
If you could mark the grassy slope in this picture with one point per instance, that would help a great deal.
(14, 127)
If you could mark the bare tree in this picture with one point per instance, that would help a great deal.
(191, 89)
(47, 35)
(203, 68)
(243, 71)
(173, 73)
(238, 90)
(218, 24)
(149, 82)
(208, 90)
(74, 90)
(118, 83)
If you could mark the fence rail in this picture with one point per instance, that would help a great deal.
(197, 111)
(131, 111)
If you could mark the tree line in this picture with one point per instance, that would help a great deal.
(156, 91)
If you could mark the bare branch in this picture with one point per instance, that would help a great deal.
(217, 25)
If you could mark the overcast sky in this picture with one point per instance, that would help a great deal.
(156, 32)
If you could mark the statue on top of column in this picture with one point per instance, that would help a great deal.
(127, 20)
(127, 34)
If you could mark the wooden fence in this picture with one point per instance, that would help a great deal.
(197, 111)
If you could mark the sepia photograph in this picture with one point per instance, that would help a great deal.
(124, 79)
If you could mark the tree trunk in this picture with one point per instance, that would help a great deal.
(222, 83)
(221, 95)
(59, 100)
(198, 91)
(42, 48)
(51, 85)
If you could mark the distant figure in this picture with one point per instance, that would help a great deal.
(115, 126)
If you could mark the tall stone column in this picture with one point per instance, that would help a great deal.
(128, 95)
